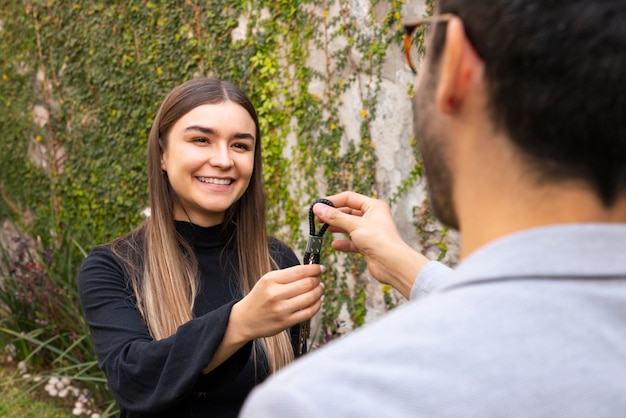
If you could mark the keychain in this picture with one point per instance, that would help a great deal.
(312, 256)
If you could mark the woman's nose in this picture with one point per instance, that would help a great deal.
(220, 157)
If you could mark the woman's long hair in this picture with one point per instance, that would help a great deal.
(166, 282)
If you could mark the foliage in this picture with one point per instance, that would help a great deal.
(41, 319)
(18, 401)
(31, 291)
(80, 84)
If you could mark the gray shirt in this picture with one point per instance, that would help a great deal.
(531, 325)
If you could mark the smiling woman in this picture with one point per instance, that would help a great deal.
(209, 161)
(197, 305)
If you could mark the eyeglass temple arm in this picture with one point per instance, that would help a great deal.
(408, 39)
(411, 26)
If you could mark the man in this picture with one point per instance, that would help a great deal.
(521, 121)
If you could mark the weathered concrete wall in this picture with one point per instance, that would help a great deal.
(392, 132)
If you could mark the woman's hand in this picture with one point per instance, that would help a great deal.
(279, 300)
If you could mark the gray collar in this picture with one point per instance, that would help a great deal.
(569, 250)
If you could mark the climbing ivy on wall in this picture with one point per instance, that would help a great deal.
(94, 73)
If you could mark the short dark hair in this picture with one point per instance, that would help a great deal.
(555, 71)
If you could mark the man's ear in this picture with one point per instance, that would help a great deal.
(458, 67)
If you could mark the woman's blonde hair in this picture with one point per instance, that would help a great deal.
(165, 283)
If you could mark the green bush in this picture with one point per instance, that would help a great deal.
(41, 318)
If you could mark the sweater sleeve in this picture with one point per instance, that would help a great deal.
(432, 275)
(144, 374)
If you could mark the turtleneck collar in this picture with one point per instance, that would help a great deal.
(200, 236)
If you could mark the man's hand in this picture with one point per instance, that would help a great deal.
(374, 234)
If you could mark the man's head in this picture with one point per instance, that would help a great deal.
(554, 76)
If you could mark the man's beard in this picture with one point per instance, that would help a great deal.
(432, 145)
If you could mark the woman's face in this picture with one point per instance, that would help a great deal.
(209, 159)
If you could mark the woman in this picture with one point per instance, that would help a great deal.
(193, 308)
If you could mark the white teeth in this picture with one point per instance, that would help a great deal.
(213, 180)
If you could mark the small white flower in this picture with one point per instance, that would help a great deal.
(21, 367)
(77, 411)
(146, 212)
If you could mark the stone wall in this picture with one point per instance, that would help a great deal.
(390, 126)
(392, 134)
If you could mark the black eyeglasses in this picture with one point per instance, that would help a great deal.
(412, 51)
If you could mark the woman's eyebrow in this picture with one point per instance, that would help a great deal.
(211, 131)
(203, 129)
(244, 135)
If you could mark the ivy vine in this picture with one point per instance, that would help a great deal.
(99, 70)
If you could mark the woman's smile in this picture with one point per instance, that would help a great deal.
(215, 180)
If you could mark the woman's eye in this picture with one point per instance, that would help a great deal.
(242, 146)
(201, 140)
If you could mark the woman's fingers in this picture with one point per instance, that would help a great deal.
(295, 273)
(281, 299)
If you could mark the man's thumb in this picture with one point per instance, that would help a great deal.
(321, 211)
(333, 217)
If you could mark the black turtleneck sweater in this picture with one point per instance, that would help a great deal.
(164, 378)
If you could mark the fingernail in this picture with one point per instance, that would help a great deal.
(322, 298)
(322, 269)
(320, 210)
(322, 284)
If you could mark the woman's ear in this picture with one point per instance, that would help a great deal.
(458, 68)
(163, 165)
